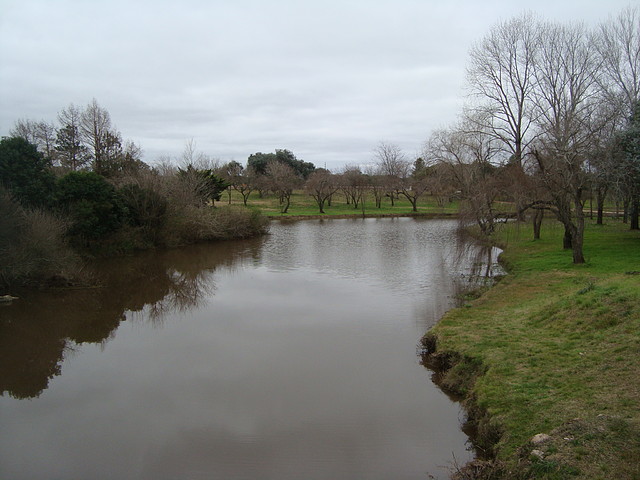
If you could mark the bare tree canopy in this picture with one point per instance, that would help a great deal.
(618, 45)
(500, 79)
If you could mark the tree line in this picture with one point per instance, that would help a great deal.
(84, 138)
(552, 119)
(78, 190)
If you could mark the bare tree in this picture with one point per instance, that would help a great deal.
(375, 184)
(46, 133)
(247, 183)
(618, 46)
(321, 186)
(190, 154)
(27, 129)
(413, 187)
(392, 164)
(353, 184)
(231, 172)
(566, 74)
(283, 180)
(95, 125)
(500, 76)
(391, 159)
(42, 134)
(465, 159)
(72, 153)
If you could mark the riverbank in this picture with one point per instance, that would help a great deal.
(548, 359)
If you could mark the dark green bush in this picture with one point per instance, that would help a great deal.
(25, 173)
(92, 204)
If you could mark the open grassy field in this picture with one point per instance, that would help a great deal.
(303, 204)
(553, 348)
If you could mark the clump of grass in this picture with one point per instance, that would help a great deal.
(192, 224)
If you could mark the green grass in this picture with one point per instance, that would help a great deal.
(559, 342)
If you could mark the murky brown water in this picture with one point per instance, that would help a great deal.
(292, 356)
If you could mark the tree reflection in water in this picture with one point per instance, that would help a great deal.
(481, 261)
(39, 330)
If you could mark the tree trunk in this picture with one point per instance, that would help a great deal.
(576, 243)
(537, 223)
(601, 197)
(577, 232)
(286, 204)
(320, 201)
(567, 239)
(635, 208)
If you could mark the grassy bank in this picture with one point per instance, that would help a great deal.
(553, 348)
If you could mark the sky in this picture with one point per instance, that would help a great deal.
(328, 80)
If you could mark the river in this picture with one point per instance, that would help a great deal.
(291, 356)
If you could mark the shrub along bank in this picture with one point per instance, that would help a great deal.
(49, 220)
(551, 349)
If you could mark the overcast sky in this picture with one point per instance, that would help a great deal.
(327, 80)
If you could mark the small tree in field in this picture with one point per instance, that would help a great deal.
(321, 185)
(246, 183)
(353, 184)
(283, 180)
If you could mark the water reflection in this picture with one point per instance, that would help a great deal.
(286, 357)
(37, 330)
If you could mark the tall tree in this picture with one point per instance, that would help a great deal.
(500, 76)
(96, 129)
(566, 74)
(618, 46)
(259, 161)
(628, 151)
(300, 167)
(72, 153)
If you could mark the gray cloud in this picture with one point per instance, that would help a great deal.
(327, 80)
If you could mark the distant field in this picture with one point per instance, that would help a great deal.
(303, 204)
